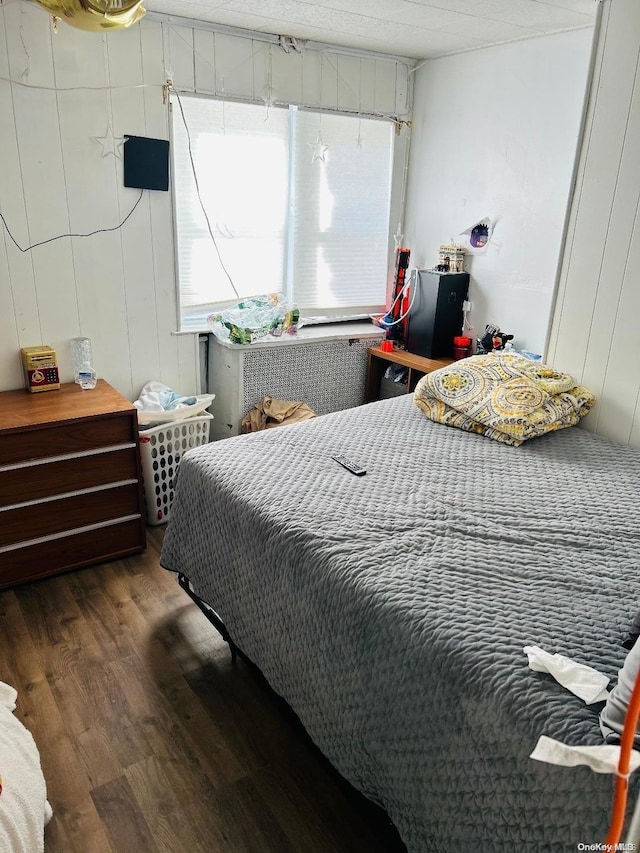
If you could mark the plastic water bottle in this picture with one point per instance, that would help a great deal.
(86, 377)
(80, 353)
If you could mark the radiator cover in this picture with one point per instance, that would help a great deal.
(328, 375)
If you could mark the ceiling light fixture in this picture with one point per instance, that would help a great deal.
(95, 15)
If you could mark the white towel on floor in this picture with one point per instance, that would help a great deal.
(24, 809)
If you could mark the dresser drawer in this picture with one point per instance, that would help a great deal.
(70, 552)
(32, 482)
(56, 516)
(72, 437)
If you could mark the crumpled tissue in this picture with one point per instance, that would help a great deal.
(583, 681)
(601, 759)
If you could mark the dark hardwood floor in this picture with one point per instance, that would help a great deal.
(151, 740)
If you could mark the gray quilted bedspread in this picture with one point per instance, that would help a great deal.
(391, 610)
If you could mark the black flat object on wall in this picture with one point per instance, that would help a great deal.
(146, 163)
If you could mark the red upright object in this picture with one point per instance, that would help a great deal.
(396, 332)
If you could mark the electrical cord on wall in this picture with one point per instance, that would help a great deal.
(387, 323)
(60, 236)
(195, 178)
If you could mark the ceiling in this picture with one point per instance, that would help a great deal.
(414, 28)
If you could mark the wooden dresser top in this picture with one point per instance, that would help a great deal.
(21, 409)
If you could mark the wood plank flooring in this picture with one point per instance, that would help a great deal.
(151, 740)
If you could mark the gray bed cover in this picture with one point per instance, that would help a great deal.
(391, 610)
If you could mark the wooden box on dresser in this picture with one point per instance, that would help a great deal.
(70, 481)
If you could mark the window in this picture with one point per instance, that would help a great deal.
(297, 201)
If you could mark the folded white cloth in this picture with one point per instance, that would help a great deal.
(24, 809)
(601, 759)
(583, 681)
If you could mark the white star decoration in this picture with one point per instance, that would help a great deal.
(110, 144)
(319, 150)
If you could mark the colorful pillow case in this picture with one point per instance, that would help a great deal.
(503, 396)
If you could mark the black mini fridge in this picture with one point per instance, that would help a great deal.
(436, 314)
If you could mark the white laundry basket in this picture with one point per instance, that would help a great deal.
(161, 448)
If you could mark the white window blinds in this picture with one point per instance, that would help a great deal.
(241, 162)
(297, 201)
(340, 212)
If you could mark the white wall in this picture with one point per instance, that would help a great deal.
(596, 327)
(494, 134)
(116, 288)
(58, 92)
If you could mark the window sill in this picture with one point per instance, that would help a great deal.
(309, 334)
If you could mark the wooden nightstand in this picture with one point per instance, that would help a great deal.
(378, 361)
(70, 481)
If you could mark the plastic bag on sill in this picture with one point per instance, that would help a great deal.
(251, 320)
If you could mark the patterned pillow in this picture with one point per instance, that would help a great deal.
(504, 396)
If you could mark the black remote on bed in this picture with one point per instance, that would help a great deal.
(350, 466)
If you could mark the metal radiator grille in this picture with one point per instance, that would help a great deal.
(327, 376)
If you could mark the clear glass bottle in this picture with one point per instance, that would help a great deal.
(81, 354)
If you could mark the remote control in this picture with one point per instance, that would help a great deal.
(349, 465)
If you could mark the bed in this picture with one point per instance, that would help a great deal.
(391, 610)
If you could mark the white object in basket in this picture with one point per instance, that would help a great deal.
(146, 416)
(161, 449)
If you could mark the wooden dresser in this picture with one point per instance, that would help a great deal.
(70, 481)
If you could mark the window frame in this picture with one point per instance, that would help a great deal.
(194, 319)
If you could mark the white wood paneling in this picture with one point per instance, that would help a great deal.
(349, 80)
(9, 365)
(161, 223)
(128, 113)
(234, 65)
(19, 291)
(368, 85)
(286, 75)
(239, 66)
(41, 165)
(205, 60)
(58, 93)
(328, 80)
(311, 80)
(261, 63)
(594, 330)
(116, 287)
(385, 87)
(179, 62)
(403, 89)
(28, 44)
